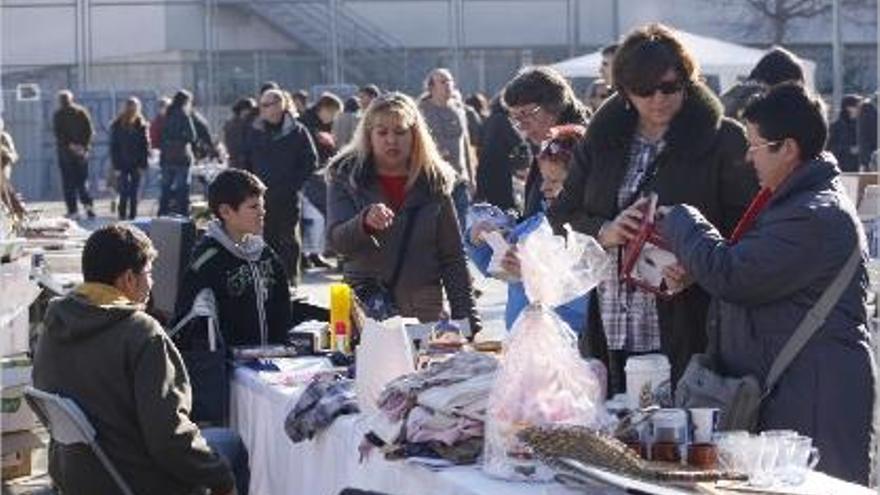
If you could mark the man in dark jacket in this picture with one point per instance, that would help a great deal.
(281, 153)
(235, 129)
(769, 274)
(842, 137)
(73, 135)
(102, 350)
(244, 274)
(179, 136)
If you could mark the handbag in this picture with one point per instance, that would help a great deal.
(207, 365)
(739, 398)
(374, 295)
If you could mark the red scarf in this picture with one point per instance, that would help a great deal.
(748, 219)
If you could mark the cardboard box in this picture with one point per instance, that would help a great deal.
(855, 183)
(15, 413)
(16, 453)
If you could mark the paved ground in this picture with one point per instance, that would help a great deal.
(315, 285)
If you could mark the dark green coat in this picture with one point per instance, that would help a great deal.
(702, 165)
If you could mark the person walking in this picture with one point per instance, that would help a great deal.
(178, 138)
(129, 150)
(73, 136)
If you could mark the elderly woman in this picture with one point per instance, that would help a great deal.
(390, 183)
(663, 132)
(538, 99)
(796, 237)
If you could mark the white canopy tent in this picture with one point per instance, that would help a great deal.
(729, 62)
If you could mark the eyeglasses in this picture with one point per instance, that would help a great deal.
(526, 116)
(755, 147)
(665, 87)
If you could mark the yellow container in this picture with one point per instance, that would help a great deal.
(340, 311)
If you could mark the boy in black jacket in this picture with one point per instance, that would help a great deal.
(246, 276)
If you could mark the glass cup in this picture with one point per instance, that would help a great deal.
(803, 458)
(784, 447)
(760, 458)
(731, 455)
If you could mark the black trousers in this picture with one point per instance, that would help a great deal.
(74, 172)
(281, 232)
(127, 184)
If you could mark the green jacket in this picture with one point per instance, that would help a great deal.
(119, 366)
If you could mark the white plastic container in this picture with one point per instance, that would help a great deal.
(645, 374)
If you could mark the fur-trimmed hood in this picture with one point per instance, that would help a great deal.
(691, 132)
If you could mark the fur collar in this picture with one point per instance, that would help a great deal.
(692, 131)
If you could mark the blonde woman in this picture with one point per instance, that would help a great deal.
(390, 214)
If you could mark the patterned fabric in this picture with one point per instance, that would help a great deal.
(629, 315)
(319, 405)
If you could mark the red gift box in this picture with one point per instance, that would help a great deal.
(645, 256)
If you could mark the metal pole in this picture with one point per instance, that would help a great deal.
(836, 56)
(334, 41)
(87, 20)
(615, 20)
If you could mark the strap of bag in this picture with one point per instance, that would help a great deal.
(404, 246)
(814, 319)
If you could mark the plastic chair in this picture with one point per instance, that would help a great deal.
(68, 425)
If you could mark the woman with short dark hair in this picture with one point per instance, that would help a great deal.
(799, 233)
(538, 99)
(662, 132)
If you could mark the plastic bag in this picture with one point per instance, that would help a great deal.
(491, 214)
(556, 269)
(384, 354)
(542, 378)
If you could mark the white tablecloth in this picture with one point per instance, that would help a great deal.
(329, 463)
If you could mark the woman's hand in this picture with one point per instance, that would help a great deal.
(623, 228)
(677, 278)
(511, 263)
(378, 217)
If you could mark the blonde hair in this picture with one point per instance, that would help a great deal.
(424, 155)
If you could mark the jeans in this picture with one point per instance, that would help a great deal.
(127, 184)
(74, 172)
(175, 187)
(461, 198)
(229, 446)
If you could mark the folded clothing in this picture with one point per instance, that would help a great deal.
(319, 405)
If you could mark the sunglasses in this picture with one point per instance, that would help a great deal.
(666, 87)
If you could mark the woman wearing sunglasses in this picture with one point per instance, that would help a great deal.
(663, 132)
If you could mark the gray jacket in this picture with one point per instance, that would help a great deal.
(435, 258)
(766, 283)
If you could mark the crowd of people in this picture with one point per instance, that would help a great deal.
(750, 205)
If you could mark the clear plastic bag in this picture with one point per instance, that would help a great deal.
(542, 378)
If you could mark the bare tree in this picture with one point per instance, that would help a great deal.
(779, 14)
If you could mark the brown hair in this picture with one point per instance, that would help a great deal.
(542, 86)
(647, 54)
(561, 144)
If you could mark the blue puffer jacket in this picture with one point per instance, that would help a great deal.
(574, 312)
(766, 283)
